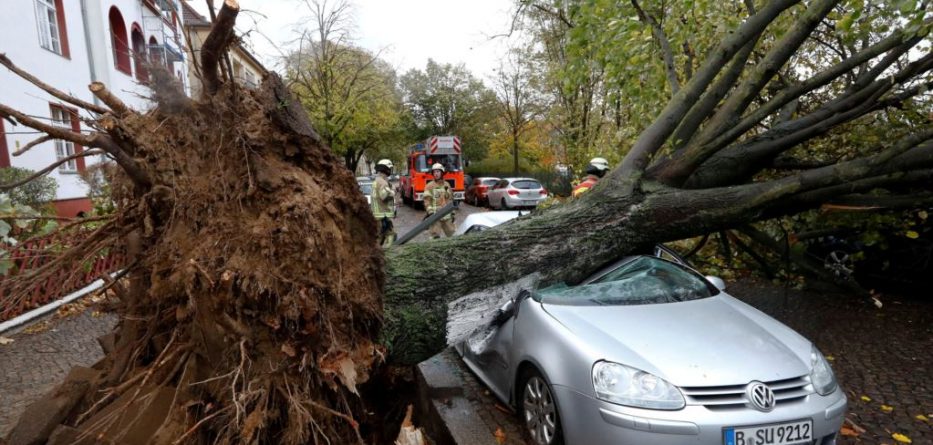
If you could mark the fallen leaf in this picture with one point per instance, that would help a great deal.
(866, 399)
(922, 418)
(901, 438)
(41, 326)
(887, 408)
(500, 436)
(5, 340)
(830, 358)
(288, 349)
(912, 234)
(848, 432)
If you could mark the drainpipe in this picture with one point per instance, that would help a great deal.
(90, 50)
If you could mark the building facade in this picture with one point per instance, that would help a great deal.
(69, 44)
(247, 70)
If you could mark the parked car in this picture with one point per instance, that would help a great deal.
(647, 352)
(476, 192)
(478, 222)
(511, 193)
(366, 187)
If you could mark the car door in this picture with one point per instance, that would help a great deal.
(491, 195)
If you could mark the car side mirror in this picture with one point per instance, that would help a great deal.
(504, 313)
(718, 282)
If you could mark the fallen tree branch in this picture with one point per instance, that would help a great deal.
(101, 92)
(652, 139)
(666, 52)
(31, 144)
(5, 61)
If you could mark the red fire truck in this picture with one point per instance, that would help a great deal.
(444, 150)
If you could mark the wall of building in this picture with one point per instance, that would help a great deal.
(246, 71)
(19, 39)
(90, 57)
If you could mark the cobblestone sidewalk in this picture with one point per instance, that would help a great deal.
(34, 363)
(884, 355)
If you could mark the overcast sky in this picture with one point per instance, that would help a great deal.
(409, 32)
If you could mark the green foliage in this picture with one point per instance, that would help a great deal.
(351, 97)
(17, 222)
(489, 166)
(36, 194)
(98, 178)
(448, 100)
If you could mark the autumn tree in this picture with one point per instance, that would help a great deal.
(448, 100)
(517, 102)
(349, 92)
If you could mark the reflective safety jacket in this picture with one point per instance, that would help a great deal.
(585, 186)
(436, 196)
(383, 198)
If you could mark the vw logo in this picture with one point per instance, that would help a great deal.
(760, 396)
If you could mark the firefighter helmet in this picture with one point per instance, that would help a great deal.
(438, 166)
(385, 166)
(600, 163)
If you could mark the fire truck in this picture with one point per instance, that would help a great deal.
(444, 150)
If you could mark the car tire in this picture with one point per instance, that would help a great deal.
(504, 205)
(538, 410)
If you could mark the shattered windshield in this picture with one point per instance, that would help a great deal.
(644, 280)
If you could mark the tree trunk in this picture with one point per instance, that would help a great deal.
(565, 243)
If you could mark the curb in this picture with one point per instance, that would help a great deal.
(446, 411)
(42, 311)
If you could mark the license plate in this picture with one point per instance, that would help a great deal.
(790, 433)
(530, 202)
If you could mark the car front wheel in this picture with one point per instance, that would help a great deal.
(539, 411)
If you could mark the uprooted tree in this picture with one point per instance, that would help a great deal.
(256, 293)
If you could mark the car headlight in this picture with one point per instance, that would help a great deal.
(620, 384)
(821, 376)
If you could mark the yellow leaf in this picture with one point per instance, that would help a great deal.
(830, 358)
(887, 408)
(866, 399)
(901, 438)
(912, 235)
(922, 418)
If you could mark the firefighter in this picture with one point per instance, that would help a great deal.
(596, 169)
(437, 195)
(383, 202)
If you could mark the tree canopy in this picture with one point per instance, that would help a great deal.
(447, 99)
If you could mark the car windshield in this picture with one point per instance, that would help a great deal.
(451, 163)
(526, 184)
(644, 280)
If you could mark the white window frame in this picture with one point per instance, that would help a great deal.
(47, 22)
(63, 149)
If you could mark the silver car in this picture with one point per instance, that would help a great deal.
(510, 193)
(648, 351)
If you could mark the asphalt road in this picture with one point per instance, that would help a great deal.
(407, 218)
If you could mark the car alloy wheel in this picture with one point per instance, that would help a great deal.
(540, 412)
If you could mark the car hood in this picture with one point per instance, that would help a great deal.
(707, 342)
